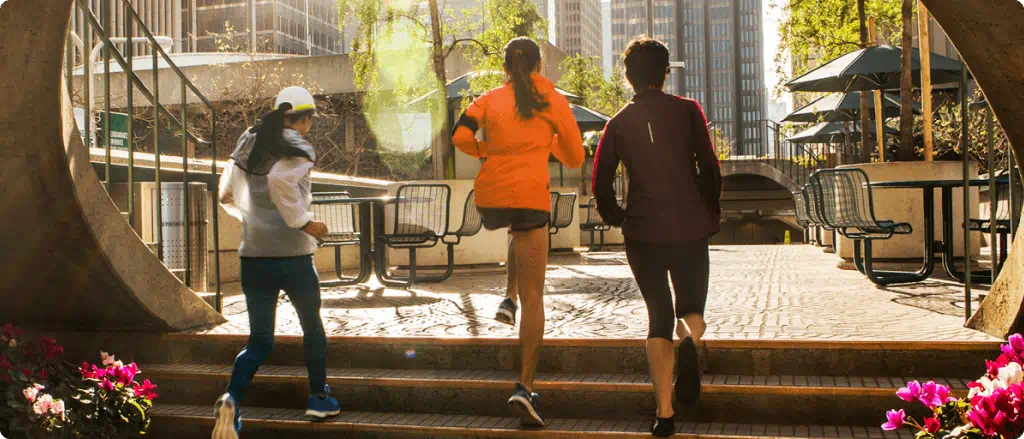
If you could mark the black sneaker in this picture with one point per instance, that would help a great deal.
(663, 427)
(506, 312)
(687, 372)
(525, 405)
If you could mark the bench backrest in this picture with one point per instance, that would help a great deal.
(339, 218)
(563, 209)
(844, 198)
(593, 217)
(471, 220)
(422, 209)
(800, 207)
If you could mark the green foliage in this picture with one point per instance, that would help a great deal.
(506, 19)
(947, 135)
(827, 29)
(582, 77)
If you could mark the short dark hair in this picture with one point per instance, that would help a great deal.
(646, 61)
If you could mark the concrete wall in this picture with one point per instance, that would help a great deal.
(904, 205)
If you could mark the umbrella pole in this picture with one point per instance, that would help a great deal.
(965, 121)
(879, 120)
(923, 22)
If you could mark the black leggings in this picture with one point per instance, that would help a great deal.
(652, 264)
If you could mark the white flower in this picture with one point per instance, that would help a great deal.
(30, 393)
(1011, 374)
(43, 404)
(58, 407)
(107, 358)
(988, 386)
(13, 343)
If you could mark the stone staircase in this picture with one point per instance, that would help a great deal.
(457, 388)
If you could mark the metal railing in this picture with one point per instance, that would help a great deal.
(137, 32)
(764, 142)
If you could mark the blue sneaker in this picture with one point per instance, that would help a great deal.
(228, 416)
(506, 312)
(321, 408)
(526, 405)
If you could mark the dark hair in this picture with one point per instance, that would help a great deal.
(270, 144)
(646, 61)
(521, 57)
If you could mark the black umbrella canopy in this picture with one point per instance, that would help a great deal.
(873, 68)
(844, 106)
(460, 86)
(832, 132)
(587, 119)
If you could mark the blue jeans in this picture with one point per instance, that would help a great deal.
(262, 280)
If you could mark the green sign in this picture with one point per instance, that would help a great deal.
(118, 132)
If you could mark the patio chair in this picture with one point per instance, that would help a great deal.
(1003, 225)
(811, 195)
(471, 225)
(340, 217)
(594, 224)
(563, 209)
(802, 216)
(845, 204)
(421, 221)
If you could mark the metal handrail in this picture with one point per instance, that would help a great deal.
(126, 62)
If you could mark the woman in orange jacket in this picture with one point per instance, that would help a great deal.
(524, 121)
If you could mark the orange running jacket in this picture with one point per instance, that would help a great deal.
(515, 151)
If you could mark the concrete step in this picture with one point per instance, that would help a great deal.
(188, 422)
(726, 398)
(601, 356)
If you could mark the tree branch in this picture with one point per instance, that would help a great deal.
(451, 47)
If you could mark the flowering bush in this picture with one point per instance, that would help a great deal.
(994, 408)
(50, 398)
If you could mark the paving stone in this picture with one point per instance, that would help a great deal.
(756, 292)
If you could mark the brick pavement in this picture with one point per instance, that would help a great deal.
(757, 292)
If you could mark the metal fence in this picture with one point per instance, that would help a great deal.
(122, 51)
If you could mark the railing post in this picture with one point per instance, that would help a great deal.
(184, 174)
(156, 157)
(129, 78)
(965, 155)
(86, 80)
(109, 20)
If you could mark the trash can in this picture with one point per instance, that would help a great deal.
(175, 248)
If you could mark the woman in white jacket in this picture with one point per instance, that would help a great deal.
(267, 186)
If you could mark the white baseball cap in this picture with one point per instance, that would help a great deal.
(299, 97)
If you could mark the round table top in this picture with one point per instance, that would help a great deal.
(926, 184)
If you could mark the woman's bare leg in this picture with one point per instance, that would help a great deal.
(531, 250)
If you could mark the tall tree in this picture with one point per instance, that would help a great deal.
(906, 150)
(582, 77)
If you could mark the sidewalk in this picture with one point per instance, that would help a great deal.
(757, 292)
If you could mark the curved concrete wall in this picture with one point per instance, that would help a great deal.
(988, 34)
(67, 258)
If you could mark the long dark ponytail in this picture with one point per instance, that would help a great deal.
(521, 58)
(270, 145)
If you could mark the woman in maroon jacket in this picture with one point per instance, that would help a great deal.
(672, 209)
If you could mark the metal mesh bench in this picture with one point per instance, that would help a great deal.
(420, 221)
(844, 202)
(811, 195)
(593, 223)
(803, 217)
(334, 210)
(563, 210)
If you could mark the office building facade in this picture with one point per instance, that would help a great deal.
(296, 27)
(579, 28)
(721, 44)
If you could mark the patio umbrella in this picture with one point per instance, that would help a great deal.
(459, 86)
(831, 132)
(587, 119)
(844, 107)
(872, 68)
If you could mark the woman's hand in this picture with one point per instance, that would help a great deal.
(316, 229)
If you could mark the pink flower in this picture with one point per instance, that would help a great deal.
(896, 419)
(107, 359)
(126, 374)
(107, 385)
(911, 392)
(1017, 343)
(942, 393)
(932, 425)
(1000, 413)
(43, 405)
(27, 372)
(145, 390)
(43, 375)
(31, 392)
(10, 331)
